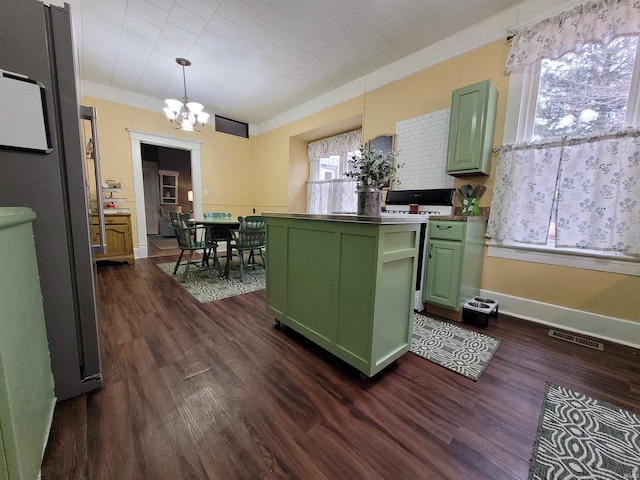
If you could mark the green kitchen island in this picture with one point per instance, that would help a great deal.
(346, 282)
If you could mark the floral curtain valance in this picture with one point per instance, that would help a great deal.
(595, 21)
(345, 142)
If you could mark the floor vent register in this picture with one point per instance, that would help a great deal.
(585, 342)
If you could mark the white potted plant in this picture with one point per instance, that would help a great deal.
(374, 170)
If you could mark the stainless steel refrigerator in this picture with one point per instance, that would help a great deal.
(54, 179)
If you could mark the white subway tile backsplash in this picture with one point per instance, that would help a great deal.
(421, 143)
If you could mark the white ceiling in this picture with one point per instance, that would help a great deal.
(255, 59)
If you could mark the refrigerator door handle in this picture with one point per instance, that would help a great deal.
(89, 113)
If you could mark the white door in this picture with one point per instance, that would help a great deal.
(151, 200)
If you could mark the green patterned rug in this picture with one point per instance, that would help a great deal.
(581, 437)
(209, 285)
(459, 349)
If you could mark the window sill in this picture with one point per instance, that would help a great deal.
(626, 265)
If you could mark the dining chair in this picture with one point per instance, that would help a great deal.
(262, 250)
(191, 239)
(249, 237)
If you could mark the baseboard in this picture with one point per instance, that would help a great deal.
(617, 330)
(141, 252)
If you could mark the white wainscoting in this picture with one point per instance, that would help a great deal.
(618, 330)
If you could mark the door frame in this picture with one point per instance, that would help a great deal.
(138, 137)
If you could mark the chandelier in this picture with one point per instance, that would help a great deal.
(184, 114)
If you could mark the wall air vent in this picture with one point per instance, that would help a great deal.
(585, 342)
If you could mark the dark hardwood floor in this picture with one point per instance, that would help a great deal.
(214, 391)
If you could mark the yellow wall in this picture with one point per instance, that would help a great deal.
(269, 172)
(424, 92)
(227, 161)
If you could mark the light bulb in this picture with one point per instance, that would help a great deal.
(186, 125)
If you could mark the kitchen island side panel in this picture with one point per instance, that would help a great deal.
(356, 276)
(277, 277)
(395, 293)
(340, 286)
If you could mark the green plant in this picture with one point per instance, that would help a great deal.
(374, 168)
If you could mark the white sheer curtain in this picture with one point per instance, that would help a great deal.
(523, 194)
(598, 202)
(331, 196)
(338, 194)
(597, 180)
(595, 21)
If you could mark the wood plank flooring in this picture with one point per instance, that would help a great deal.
(214, 391)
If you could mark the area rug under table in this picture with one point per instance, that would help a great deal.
(209, 284)
(459, 349)
(580, 437)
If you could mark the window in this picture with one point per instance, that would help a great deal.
(572, 148)
(328, 190)
(581, 94)
(232, 127)
(587, 92)
(332, 167)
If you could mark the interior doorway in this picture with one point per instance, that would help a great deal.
(167, 182)
(138, 138)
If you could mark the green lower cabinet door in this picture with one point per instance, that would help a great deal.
(442, 279)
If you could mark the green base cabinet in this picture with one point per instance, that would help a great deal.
(346, 285)
(453, 269)
(473, 113)
(27, 398)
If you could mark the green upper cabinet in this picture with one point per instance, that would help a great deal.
(473, 112)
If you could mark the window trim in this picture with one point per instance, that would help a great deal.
(518, 127)
(623, 264)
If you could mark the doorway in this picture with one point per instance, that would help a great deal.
(137, 138)
(167, 182)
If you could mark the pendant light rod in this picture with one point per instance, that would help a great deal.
(185, 63)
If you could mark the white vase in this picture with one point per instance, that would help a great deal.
(369, 202)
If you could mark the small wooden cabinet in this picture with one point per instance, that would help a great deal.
(119, 237)
(454, 262)
(473, 112)
(168, 187)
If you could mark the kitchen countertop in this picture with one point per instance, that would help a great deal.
(351, 218)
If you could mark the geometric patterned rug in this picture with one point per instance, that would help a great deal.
(459, 349)
(209, 285)
(584, 438)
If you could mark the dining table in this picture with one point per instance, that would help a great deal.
(220, 229)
